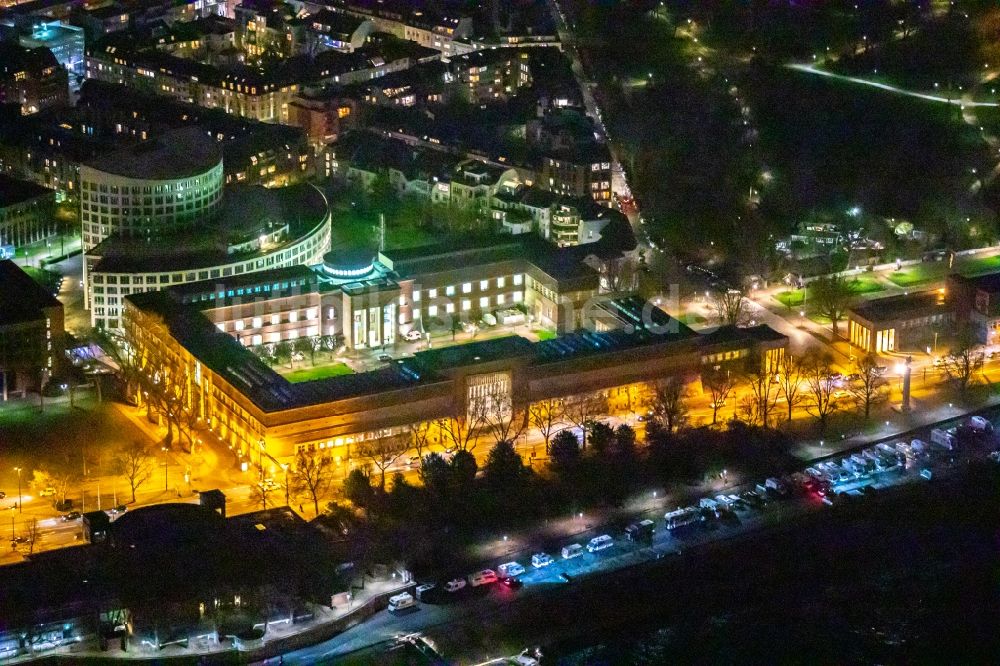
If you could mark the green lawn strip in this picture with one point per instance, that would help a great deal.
(318, 372)
(544, 334)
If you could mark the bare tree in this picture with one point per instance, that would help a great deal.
(499, 416)
(461, 429)
(821, 388)
(420, 434)
(830, 296)
(790, 376)
(581, 411)
(547, 416)
(134, 462)
(620, 274)
(261, 492)
(383, 451)
(870, 386)
(31, 533)
(730, 307)
(764, 392)
(964, 362)
(311, 476)
(720, 384)
(668, 402)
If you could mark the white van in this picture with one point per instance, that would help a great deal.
(401, 601)
(600, 543)
(484, 577)
(571, 551)
(539, 560)
(510, 569)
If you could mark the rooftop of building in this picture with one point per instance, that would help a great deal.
(182, 153)
(14, 191)
(900, 307)
(16, 58)
(246, 212)
(990, 282)
(333, 23)
(22, 300)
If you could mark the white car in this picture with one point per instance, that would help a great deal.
(539, 560)
(412, 336)
(454, 585)
(484, 577)
(401, 601)
(510, 569)
(600, 543)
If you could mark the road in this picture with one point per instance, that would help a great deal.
(501, 604)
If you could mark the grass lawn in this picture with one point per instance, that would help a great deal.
(980, 265)
(318, 372)
(791, 298)
(544, 334)
(920, 274)
(865, 285)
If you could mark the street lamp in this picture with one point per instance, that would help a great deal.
(261, 459)
(20, 509)
(165, 469)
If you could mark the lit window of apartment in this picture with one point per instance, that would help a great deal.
(449, 290)
(238, 325)
(275, 319)
(258, 322)
(311, 314)
(222, 326)
(484, 285)
(501, 282)
(467, 288)
(484, 302)
(293, 316)
(500, 299)
(519, 279)
(449, 308)
(432, 293)
(466, 305)
(518, 296)
(432, 311)
(416, 296)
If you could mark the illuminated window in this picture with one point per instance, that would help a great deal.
(467, 288)
(449, 290)
(518, 296)
(518, 279)
(466, 305)
(484, 302)
(484, 285)
(432, 293)
(432, 310)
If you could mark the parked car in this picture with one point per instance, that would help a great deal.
(641, 531)
(600, 543)
(384, 358)
(425, 591)
(454, 585)
(412, 335)
(484, 577)
(401, 601)
(539, 560)
(47, 492)
(572, 550)
(980, 424)
(72, 515)
(510, 569)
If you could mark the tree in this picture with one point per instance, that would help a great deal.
(790, 380)
(730, 307)
(870, 386)
(305, 346)
(830, 296)
(565, 451)
(461, 430)
(435, 474)
(546, 416)
(499, 416)
(582, 409)
(620, 274)
(134, 462)
(358, 488)
(668, 403)
(821, 388)
(963, 362)
(283, 352)
(260, 492)
(719, 383)
(31, 533)
(420, 433)
(602, 436)
(383, 452)
(265, 353)
(311, 476)
(759, 405)
(503, 468)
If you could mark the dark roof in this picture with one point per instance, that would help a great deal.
(14, 191)
(334, 23)
(182, 153)
(727, 334)
(244, 212)
(898, 307)
(989, 282)
(21, 298)
(474, 353)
